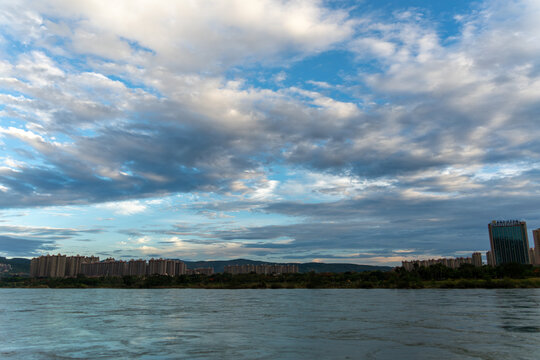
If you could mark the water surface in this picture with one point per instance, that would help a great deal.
(269, 324)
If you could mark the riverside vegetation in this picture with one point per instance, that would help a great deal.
(435, 276)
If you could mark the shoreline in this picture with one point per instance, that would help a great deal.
(113, 283)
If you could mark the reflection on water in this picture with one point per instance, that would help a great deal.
(269, 324)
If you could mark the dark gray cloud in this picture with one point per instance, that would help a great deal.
(47, 232)
(376, 224)
(139, 159)
(384, 223)
(164, 160)
(24, 247)
(29, 241)
(168, 148)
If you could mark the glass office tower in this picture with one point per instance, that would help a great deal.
(536, 236)
(509, 242)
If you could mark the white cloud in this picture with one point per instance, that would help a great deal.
(142, 240)
(324, 186)
(265, 190)
(195, 35)
(130, 207)
(280, 77)
(145, 249)
(404, 251)
(378, 48)
(186, 249)
(321, 84)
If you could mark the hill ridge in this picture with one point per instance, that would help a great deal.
(23, 265)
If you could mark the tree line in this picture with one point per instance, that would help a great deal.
(435, 276)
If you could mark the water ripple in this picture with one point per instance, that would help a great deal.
(277, 324)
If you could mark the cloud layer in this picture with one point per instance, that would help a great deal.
(356, 129)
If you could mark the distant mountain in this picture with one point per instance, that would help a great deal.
(220, 264)
(339, 268)
(303, 268)
(21, 265)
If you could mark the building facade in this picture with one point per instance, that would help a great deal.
(452, 263)
(70, 266)
(477, 259)
(532, 257)
(489, 258)
(536, 237)
(59, 265)
(509, 242)
(112, 267)
(5, 268)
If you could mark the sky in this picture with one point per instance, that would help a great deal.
(365, 132)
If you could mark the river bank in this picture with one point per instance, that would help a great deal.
(366, 280)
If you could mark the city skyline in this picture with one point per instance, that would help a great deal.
(282, 131)
(65, 266)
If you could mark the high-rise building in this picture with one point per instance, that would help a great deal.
(489, 258)
(58, 265)
(477, 259)
(532, 256)
(452, 263)
(536, 236)
(509, 241)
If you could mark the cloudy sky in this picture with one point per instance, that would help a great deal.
(365, 131)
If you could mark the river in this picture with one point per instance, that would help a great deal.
(269, 324)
